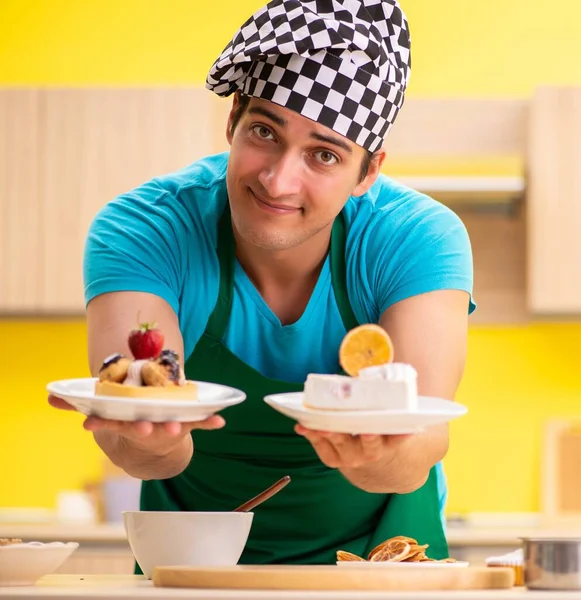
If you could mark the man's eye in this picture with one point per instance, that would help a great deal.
(325, 157)
(262, 132)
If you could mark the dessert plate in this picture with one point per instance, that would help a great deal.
(80, 393)
(430, 411)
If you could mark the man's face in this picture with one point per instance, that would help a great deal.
(289, 177)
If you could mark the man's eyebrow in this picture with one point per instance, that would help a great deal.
(258, 110)
(332, 140)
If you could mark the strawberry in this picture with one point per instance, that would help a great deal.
(146, 341)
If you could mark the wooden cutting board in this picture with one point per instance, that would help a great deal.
(294, 577)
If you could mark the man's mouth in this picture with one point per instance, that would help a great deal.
(274, 206)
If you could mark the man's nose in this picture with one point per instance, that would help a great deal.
(282, 177)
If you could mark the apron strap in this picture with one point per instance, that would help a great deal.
(339, 273)
(226, 249)
(218, 320)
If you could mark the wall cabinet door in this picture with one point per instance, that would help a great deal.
(64, 153)
(20, 220)
(96, 144)
(554, 202)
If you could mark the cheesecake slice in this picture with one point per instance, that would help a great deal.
(391, 386)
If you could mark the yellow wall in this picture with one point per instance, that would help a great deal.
(516, 376)
(515, 379)
(43, 450)
(491, 48)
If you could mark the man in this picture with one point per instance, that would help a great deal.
(255, 263)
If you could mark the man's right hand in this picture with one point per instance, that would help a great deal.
(157, 437)
(142, 448)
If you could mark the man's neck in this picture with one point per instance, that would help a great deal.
(285, 279)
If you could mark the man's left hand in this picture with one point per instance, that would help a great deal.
(346, 451)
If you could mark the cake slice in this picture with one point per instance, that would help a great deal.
(153, 372)
(390, 386)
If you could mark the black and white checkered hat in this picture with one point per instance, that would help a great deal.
(342, 63)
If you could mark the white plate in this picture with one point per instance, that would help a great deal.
(80, 393)
(24, 564)
(400, 565)
(431, 411)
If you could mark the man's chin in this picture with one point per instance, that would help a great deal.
(266, 239)
(268, 242)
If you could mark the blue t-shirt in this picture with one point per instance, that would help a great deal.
(161, 238)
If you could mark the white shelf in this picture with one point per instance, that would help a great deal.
(467, 189)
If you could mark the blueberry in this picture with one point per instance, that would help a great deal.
(168, 354)
(111, 360)
(169, 359)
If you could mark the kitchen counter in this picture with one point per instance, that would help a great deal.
(106, 533)
(104, 548)
(115, 533)
(130, 587)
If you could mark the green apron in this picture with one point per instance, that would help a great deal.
(319, 512)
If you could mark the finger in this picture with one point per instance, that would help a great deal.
(57, 402)
(346, 445)
(372, 447)
(213, 422)
(94, 423)
(310, 434)
(304, 431)
(322, 446)
(327, 453)
(140, 429)
(172, 428)
(348, 449)
(395, 441)
(128, 429)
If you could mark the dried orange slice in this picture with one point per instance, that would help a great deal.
(377, 549)
(393, 551)
(343, 555)
(416, 553)
(407, 539)
(412, 543)
(368, 345)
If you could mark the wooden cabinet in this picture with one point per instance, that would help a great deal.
(64, 153)
(554, 202)
(20, 206)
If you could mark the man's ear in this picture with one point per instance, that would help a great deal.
(235, 105)
(372, 173)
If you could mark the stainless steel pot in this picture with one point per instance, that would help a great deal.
(552, 563)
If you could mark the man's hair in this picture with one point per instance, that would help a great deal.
(243, 102)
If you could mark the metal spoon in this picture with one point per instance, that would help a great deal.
(263, 496)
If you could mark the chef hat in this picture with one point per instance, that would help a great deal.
(342, 63)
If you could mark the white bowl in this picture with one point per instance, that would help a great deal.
(26, 563)
(194, 539)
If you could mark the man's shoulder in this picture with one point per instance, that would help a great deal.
(203, 174)
(394, 209)
(192, 193)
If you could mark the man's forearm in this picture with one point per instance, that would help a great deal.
(142, 463)
(407, 469)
